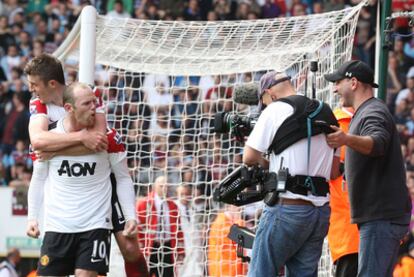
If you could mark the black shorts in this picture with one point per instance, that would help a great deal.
(118, 219)
(62, 253)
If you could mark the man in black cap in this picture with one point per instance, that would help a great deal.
(374, 170)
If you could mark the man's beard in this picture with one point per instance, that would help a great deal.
(86, 122)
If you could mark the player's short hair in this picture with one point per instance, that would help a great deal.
(68, 92)
(46, 67)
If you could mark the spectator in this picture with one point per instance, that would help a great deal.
(222, 9)
(20, 156)
(185, 109)
(159, 231)
(365, 37)
(191, 265)
(15, 83)
(6, 38)
(409, 46)
(343, 237)
(38, 48)
(252, 16)
(71, 76)
(152, 12)
(243, 10)
(52, 44)
(159, 159)
(16, 29)
(140, 141)
(298, 9)
(222, 252)
(41, 31)
(410, 161)
(218, 96)
(32, 21)
(410, 124)
(21, 98)
(3, 176)
(318, 7)
(402, 113)
(127, 5)
(23, 177)
(218, 165)
(25, 44)
(10, 8)
(8, 267)
(192, 13)
(172, 7)
(55, 26)
(270, 9)
(17, 18)
(62, 12)
(410, 185)
(405, 93)
(410, 149)
(404, 62)
(394, 81)
(118, 10)
(12, 59)
(36, 6)
(16, 123)
(161, 126)
(156, 88)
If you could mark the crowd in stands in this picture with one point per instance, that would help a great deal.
(166, 114)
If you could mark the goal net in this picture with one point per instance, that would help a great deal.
(163, 82)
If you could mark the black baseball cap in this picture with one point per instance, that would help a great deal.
(357, 69)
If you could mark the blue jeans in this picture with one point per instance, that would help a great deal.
(378, 247)
(290, 235)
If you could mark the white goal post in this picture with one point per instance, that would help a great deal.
(163, 81)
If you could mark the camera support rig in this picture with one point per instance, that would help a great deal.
(246, 185)
(243, 186)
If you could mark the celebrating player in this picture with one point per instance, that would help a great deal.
(47, 82)
(78, 199)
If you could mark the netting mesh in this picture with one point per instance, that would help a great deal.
(221, 47)
(163, 82)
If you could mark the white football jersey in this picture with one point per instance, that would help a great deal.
(78, 197)
(51, 111)
(77, 194)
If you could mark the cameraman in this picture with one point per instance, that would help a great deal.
(291, 232)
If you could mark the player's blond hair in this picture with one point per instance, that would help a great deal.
(68, 93)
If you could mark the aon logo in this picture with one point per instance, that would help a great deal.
(76, 169)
